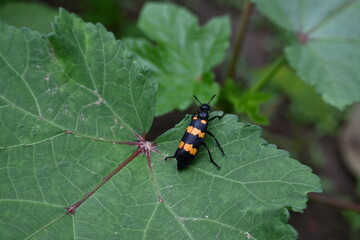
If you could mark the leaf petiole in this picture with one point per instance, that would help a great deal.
(73, 208)
(143, 147)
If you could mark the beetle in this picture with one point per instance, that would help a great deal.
(194, 136)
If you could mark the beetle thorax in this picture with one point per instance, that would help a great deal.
(204, 111)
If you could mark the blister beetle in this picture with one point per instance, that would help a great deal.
(194, 136)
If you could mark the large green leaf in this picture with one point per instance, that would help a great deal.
(184, 53)
(81, 79)
(327, 47)
(246, 199)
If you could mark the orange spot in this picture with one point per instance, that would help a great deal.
(189, 148)
(202, 134)
(195, 131)
(194, 118)
(203, 121)
(181, 144)
(189, 129)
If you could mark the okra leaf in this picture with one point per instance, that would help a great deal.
(80, 79)
(248, 198)
(326, 46)
(181, 54)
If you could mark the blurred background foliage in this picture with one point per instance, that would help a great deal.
(293, 115)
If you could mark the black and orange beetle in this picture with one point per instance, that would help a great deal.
(194, 136)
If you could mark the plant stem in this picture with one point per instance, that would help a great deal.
(334, 202)
(45, 227)
(73, 208)
(268, 75)
(243, 26)
(143, 147)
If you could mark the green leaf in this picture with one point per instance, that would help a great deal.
(248, 196)
(250, 104)
(21, 14)
(327, 46)
(83, 80)
(184, 53)
(98, 64)
(244, 102)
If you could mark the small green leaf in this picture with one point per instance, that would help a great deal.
(244, 102)
(327, 47)
(184, 53)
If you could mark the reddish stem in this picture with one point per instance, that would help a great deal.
(143, 147)
(73, 208)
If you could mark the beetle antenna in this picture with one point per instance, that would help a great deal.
(211, 99)
(197, 99)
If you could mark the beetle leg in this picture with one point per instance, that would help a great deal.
(211, 159)
(217, 142)
(169, 157)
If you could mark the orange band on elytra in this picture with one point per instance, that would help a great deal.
(189, 148)
(195, 131)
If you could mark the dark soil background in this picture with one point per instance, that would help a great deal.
(263, 43)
